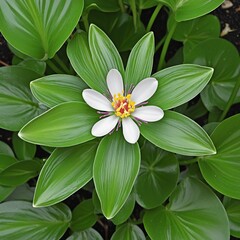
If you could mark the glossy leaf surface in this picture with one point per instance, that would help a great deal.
(17, 105)
(193, 212)
(179, 134)
(65, 172)
(49, 223)
(39, 28)
(65, 125)
(179, 84)
(58, 88)
(222, 171)
(114, 171)
(157, 177)
(89, 234)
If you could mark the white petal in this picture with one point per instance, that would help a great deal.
(148, 113)
(96, 100)
(130, 130)
(114, 82)
(144, 90)
(104, 126)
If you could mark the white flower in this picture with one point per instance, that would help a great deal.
(123, 108)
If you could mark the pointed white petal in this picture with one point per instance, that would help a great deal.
(148, 113)
(144, 90)
(96, 100)
(104, 126)
(114, 82)
(130, 130)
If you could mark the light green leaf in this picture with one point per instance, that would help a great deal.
(58, 88)
(222, 171)
(179, 134)
(157, 177)
(5, 191)
(19, 173)
(179, 84)
(189, 9)
(19, 220)
(5, 149)
(128, 232)
(6, 161)
(65, 172)
(39, 28)
(34, 65)
(22, 149)
(232, 207)
(193, 212)
(140, 61)
(65, 125)
(114, 171)
(89, 234)
(83, 216)
(17, 105)
(104, 54)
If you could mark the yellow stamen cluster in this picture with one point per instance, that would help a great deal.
(123, 105)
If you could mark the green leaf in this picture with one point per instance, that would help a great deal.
(5, 149)
(6, 161)
(39, 28)
(157, 178)
(22, 149)
(89, 234)
(179, 84)
(179, 134)
(222, 171)
(105, 56)
(58, 88)
(65, 125)
(5, 191)
(34, 65)
(19, 173)
(83, 216)
(232, 207)
(65, 172)
(17, 105)
(145, 4)
(189, 9)
(193, 212)
(221, 55)
(128, 232)
(22, 193)
(140, 61)
(19, 220)
(126, 211)
(115, 169)
(105, 6)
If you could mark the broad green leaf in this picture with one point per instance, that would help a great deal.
(128, 231)
(65, 125)
(81, 59)
(144, 4)
(179, 134)
(39, 28)
(222, 171)
(105, 56)
(195, 31)
(6, 161)
(34, 65)
(19, 173)
(5, 149)
(89, 234)
(65, 172)
(189, 9)
(140, 61)
(232, 207)
(179, 84)
(83, 216)
(105, 6)
(115, 169)
(22, 193)
(19, 220)
(17, 105)
(157, 177)
(58, 88)
(221, 55)
(22, 149)
(5, 191)
(193, 212)
(126, 211)
(117, 23)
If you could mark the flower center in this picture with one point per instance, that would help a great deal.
(123, 105)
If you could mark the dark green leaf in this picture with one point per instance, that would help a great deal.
(105, 6)
(89, 234)
(5, 149)
(34, 65)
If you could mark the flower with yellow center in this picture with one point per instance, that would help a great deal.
(123, 108)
